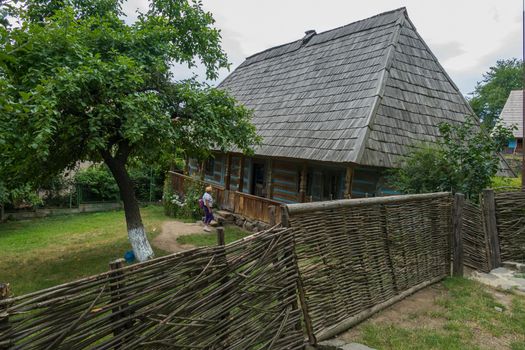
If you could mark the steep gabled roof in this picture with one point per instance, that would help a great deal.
(512, 113)
(363, 93)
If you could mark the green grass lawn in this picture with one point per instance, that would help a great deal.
(231, 234)
(41, 253)
(462, 317)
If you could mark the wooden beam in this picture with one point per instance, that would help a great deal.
(491, 228)
(348, 182)
(240, 186)
(302, 183)
(228, 172)
(457, 232)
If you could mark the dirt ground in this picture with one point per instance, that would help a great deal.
(421, 311)
(167, 239)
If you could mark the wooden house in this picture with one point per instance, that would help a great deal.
(335, 109)
(512, 115)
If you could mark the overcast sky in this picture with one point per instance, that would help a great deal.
(467, 36)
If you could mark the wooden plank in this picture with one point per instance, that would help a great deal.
(457, 235)
(491, 228)
(271, 215)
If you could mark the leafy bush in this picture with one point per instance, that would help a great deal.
(184, 206)
(97, 183)
(465, 160)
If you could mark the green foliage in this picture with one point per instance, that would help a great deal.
(492, 91)
(506, 184)
(465, 160)
(77, 82)
(97, 182)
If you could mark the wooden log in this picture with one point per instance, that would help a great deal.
(271, 215)
(302, 183)
(348, 182)
(491, 228)
(347, 203)
(227, 174)
(457, 235)
(363, 315)
(240, 186)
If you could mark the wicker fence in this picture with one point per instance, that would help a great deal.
(239, 296)
(357, 256)
(494, 230)
(510, 218)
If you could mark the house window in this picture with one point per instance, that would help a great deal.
(209, 168)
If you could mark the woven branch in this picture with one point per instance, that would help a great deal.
(510, 218)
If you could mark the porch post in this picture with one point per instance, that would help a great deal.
(202, 169)
(348, 182)
(240, 186)
(187, 165)
(227, 175)
(302, 183)
(269, 185)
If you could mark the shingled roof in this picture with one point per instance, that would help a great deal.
(363, 93)
(512, 113)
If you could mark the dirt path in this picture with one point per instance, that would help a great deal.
(167, 239)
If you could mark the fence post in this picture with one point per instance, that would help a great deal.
(457, 235)
(115, 286)
(271, 214)
(284, 216)
(4, 316)
(491, 228)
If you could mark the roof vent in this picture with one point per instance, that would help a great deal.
(308, 35)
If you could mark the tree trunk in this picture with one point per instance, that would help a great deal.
(136, 232)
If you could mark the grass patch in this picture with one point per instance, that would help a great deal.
(231, 234)
(467, 318)
(41, 253)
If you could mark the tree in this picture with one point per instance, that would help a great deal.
(79, 83)
(465, 160)
(492, 91)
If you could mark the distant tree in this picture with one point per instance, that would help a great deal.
(465, 160)
(79, 83)
(492, 91)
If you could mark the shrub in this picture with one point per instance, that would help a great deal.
(465, 160)
(184, 206)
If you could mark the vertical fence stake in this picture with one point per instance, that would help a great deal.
(491, 228)
(4, 316)
(115, 286)
(457, 235)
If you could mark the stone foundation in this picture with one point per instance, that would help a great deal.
(224, 217)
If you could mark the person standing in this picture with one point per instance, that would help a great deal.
(207, 200)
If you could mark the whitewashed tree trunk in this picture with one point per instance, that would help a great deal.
(136, 233)
(139, 243)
